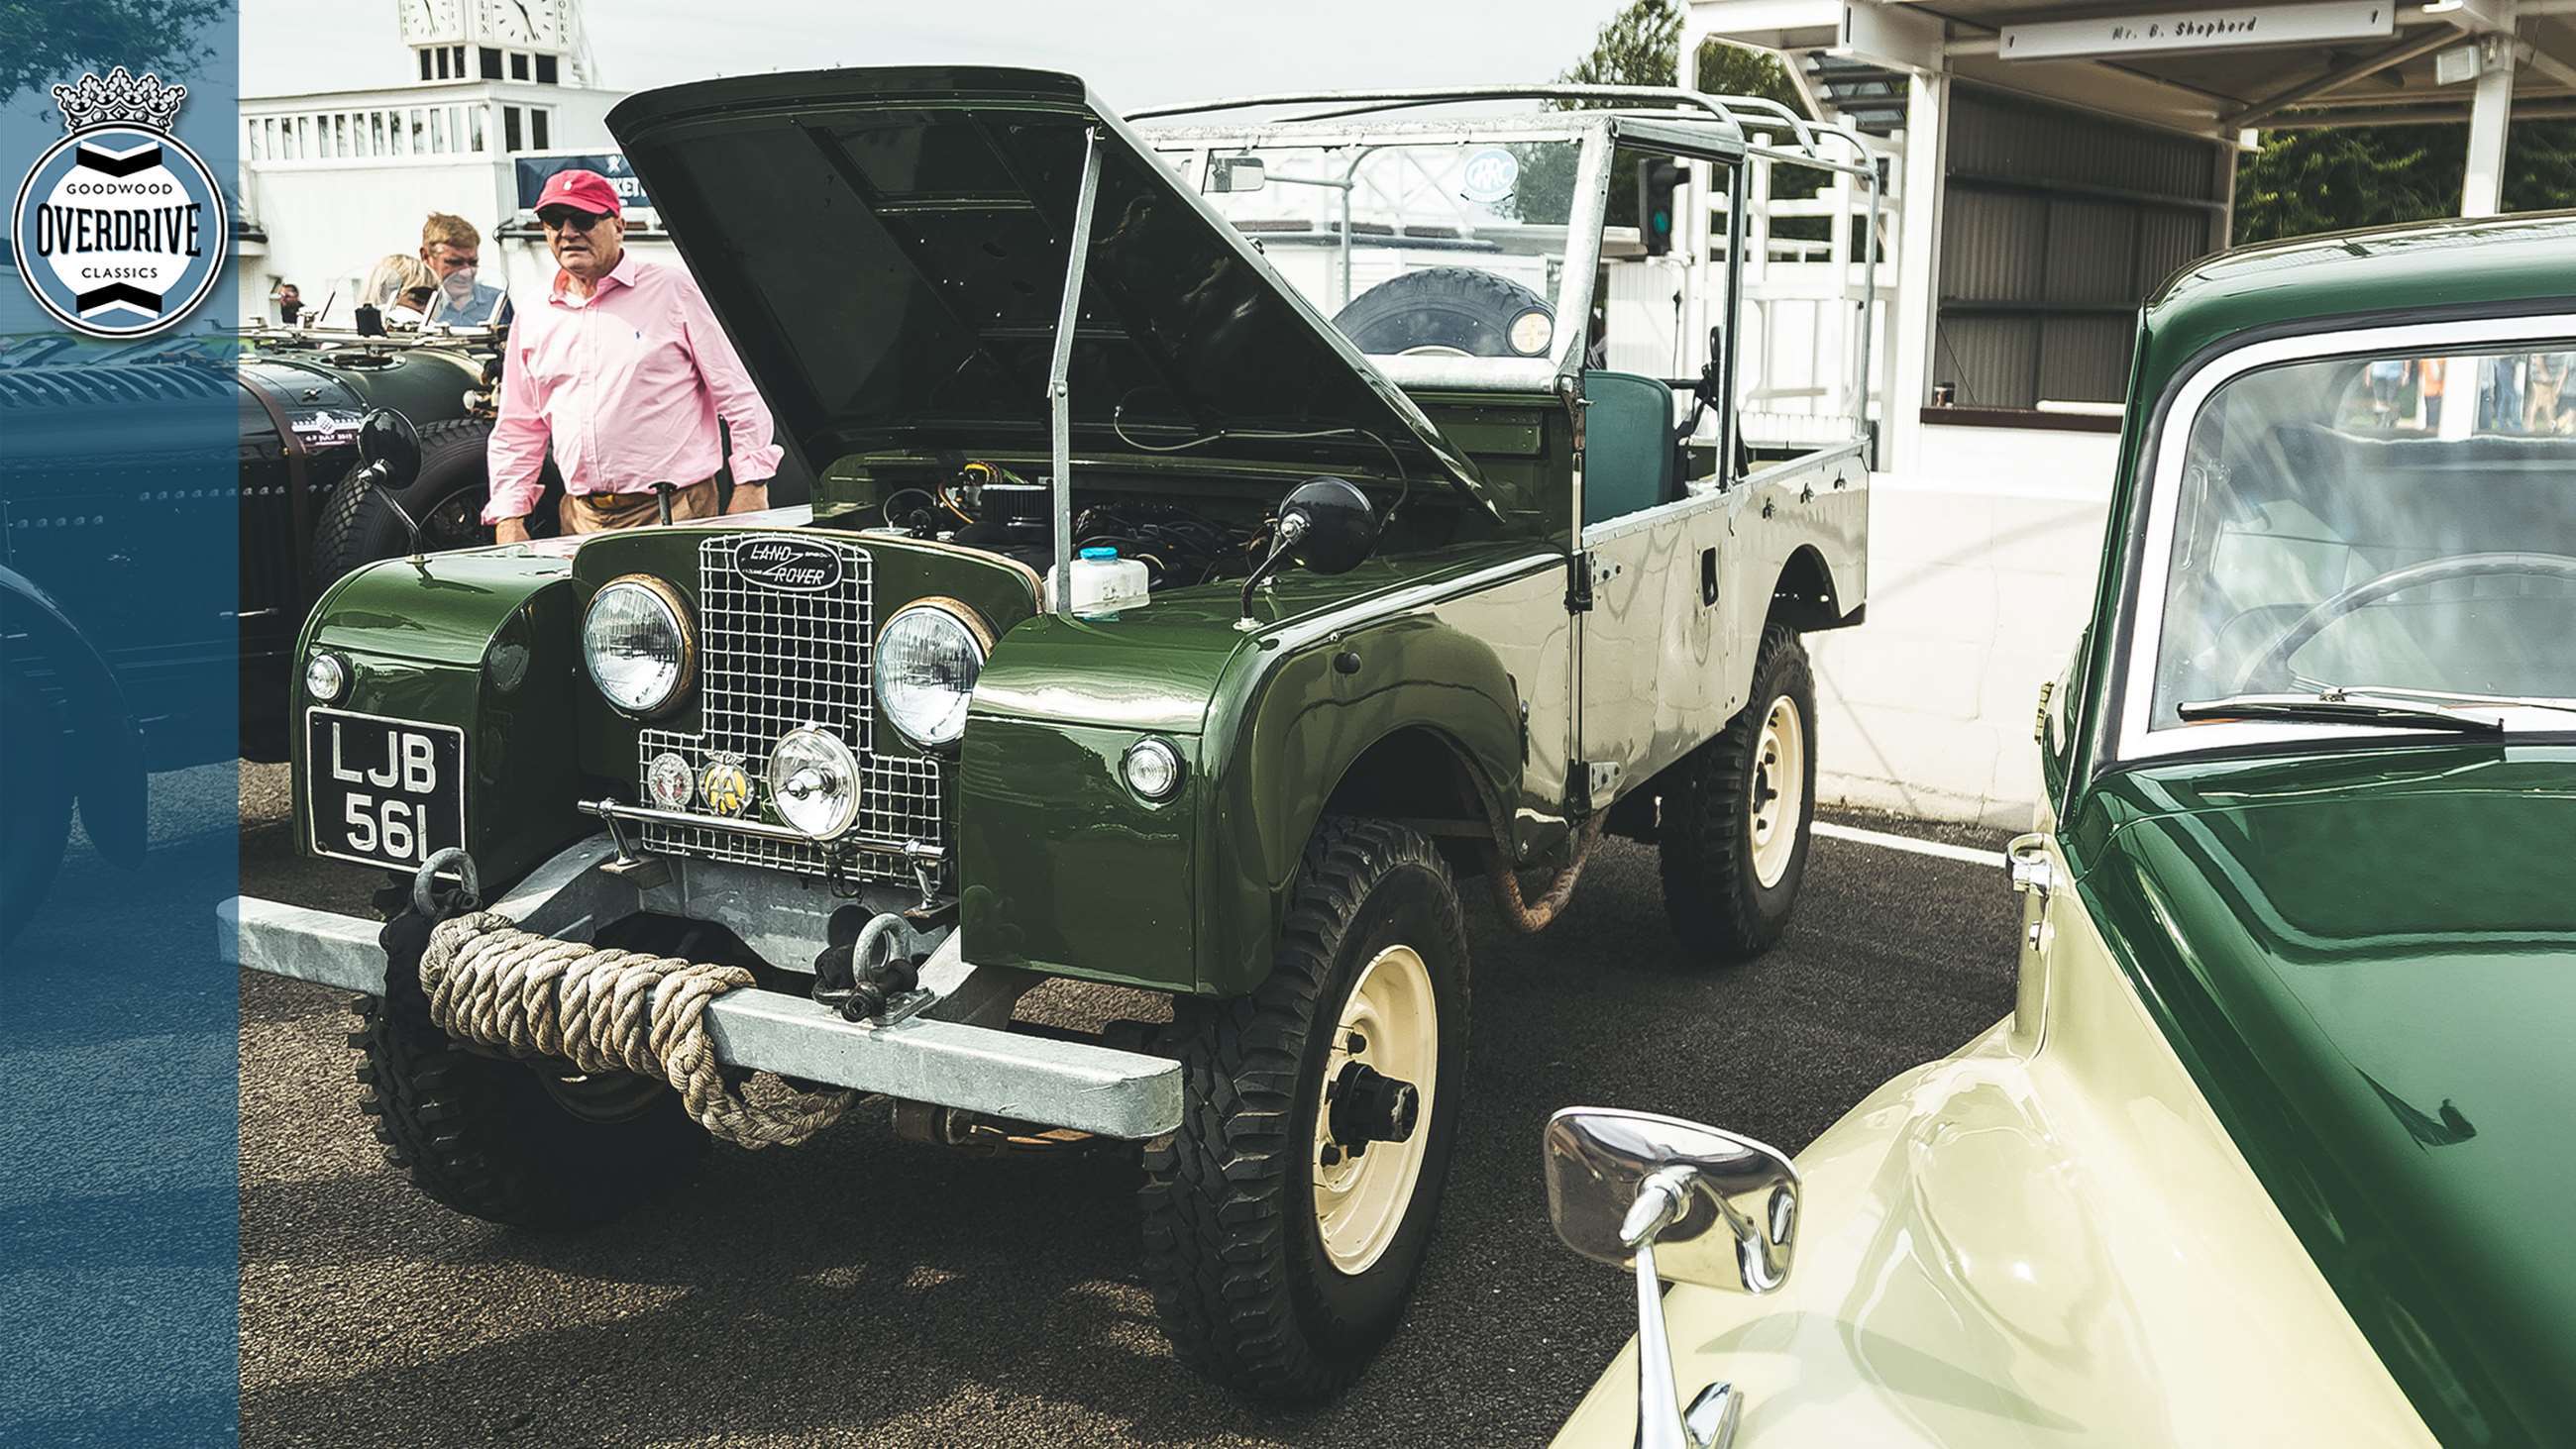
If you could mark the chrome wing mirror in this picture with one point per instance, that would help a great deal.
(1663, 1196)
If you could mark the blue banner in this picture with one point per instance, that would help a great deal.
(125, 634)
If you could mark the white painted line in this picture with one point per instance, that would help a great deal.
(1907, 842)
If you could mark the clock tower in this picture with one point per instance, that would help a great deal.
(536, 41)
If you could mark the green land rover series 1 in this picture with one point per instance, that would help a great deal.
(1225, 540)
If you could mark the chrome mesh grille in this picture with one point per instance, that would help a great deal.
(772, 660)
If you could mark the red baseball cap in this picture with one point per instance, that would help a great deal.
(585, 190)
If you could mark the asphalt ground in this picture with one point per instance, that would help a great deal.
(867, 1290)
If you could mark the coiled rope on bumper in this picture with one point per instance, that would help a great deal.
(608, 1011)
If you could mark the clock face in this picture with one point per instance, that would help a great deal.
(524, 22)
(432, 19)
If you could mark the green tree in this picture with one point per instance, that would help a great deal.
(46, 43)
(2303, 182)
(1640, 46)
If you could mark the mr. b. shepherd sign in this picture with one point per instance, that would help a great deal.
(120, 229)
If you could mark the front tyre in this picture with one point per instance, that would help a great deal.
(509, 1141)
(1285, 1222)
(1738, 811)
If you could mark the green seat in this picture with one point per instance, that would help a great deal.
(1629, 461)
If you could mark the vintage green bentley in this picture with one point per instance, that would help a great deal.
(2274, 1147)
(1148, 628)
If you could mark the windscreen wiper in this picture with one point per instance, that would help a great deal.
(2343, 706)
(2474, 701)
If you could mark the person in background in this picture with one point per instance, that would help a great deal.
(399, 288)
(623, 372)
(453, 251)
(289, 303)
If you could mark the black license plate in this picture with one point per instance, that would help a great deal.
(383, 792)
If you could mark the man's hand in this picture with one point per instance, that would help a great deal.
(510, 530)
(749, 498)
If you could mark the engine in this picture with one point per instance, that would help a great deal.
(985, 505)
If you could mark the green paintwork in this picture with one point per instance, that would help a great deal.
(1275, 727)
(1284, 736)
(427, 385)
(2366, 954)
(416, 637)
(1063, 868)
(2368, 961)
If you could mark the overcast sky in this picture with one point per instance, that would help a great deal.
(1136, 53)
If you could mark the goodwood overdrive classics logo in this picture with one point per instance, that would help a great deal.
(120, 228)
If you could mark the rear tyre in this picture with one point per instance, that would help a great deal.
(446, 497)
(506, 1141)
(36, 821)
(1280, 1258)
(1738, 810)
(1442, 311)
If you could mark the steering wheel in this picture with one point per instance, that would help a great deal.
(2276, 656)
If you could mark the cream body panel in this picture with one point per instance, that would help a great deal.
(1660, 657)
(2047, 1239)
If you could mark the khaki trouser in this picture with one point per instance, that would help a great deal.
(600, 512)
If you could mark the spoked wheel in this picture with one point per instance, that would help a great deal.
(1286, 1220)
(1737, 814)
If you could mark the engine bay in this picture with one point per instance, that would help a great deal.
(975, 503)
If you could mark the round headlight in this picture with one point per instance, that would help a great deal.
(814, 782)
(1531, 332)
(1153, 770)
(635, 642)
(926, 664)
(325, 677)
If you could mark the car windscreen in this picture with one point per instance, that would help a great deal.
(2377, 522)
(1433, 248)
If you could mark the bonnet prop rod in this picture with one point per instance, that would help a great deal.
(1059, 392)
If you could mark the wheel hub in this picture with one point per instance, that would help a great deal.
(1370, 1106)
(1378, 1088)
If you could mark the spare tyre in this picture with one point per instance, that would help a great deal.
(446, 498)
(1456, 311)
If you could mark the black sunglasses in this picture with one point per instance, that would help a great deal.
(558, 218)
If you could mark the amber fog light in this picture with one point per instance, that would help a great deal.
(1153, 770)
(325, 677)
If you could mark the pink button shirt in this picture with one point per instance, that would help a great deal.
(626, 384)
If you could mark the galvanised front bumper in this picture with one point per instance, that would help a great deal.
(922, 1058)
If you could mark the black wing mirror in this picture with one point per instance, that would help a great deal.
(1325, 524)
(390, 447)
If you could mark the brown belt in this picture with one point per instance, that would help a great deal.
(600, 512)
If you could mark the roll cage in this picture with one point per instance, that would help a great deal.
(1729, 146)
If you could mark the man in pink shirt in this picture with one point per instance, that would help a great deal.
(624, 372)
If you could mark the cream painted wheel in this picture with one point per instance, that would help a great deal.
(1778, 800)
(1735, 813)
(1287, 1217)
(1390, 1023)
